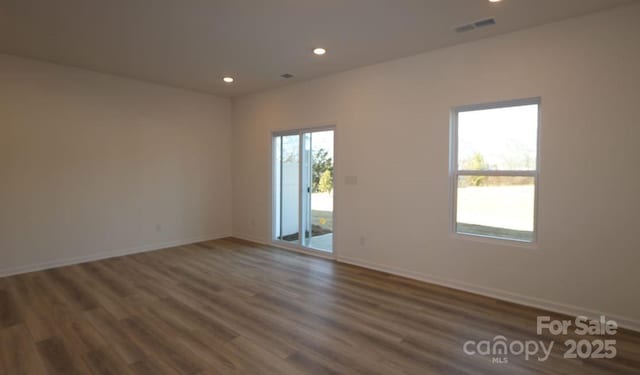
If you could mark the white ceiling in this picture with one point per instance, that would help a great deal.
(193, 43)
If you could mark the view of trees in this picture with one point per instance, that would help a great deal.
(322, 179)
(322, 176)
(477, 162)
(326, 182)
(474, 163)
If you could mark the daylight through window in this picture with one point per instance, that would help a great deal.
(495, 171)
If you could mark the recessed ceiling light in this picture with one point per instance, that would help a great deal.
(495, 1)
(228, 79)
(319, 51)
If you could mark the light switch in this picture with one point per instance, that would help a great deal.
(351, 180)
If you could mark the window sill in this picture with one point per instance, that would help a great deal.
(495, 241)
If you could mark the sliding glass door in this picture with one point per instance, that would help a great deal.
(303, 188)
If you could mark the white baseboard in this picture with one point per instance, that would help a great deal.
(250, 238)
(4, 272)
(624, 322)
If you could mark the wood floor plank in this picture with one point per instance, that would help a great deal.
(204, 341)
(57, 358)
(37, 312)
(151, 368)
(107, 279)
(115, 334)
(72, 289)
(105, 362)
(160, 347)
(234, 307)
(259, 360)
(18, 353)
(9, 311)
(172, 309)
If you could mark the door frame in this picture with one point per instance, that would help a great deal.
(298, 246)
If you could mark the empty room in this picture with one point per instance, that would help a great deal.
(278, 187)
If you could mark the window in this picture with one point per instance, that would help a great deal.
(494, 163)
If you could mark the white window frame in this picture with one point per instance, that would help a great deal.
(454, 173)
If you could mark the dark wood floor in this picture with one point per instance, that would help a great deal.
(230, 306)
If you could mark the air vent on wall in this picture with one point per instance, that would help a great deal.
(475, 25)
(287, 75)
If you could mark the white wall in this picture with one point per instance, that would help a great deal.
(393, 134)
(93, 165)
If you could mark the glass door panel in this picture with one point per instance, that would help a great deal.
(320, 193)
(287, 192)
